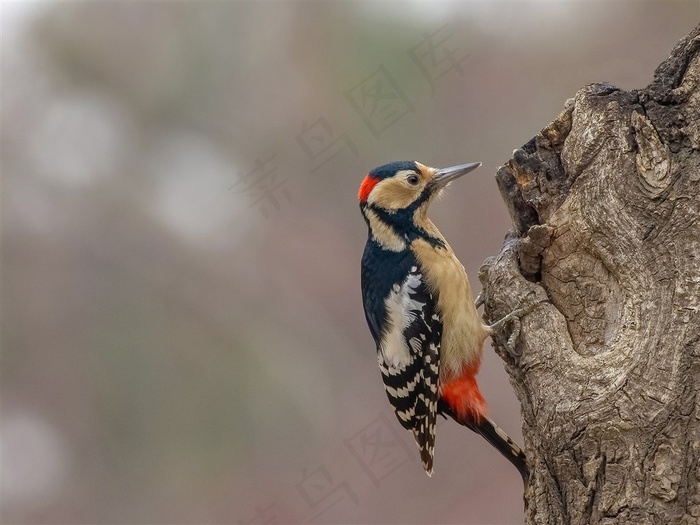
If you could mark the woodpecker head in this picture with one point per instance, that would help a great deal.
(397, 195)
(407, 184)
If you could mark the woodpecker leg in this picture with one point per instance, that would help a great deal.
(514, 319)
(500, 325)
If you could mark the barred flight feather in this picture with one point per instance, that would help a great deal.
(410, 368)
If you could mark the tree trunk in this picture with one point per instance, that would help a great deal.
(605, 203)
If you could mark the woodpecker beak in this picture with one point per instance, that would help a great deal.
(446, 175)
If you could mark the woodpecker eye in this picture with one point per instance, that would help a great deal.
(412, 180)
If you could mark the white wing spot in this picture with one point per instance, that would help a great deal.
(407, 415)
(400, 313)
(415, 344)
(402, 391)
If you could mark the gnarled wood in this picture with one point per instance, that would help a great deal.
(605, 204)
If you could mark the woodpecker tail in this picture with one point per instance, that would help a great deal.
(492, 433)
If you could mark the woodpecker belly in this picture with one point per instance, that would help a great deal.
(463, 332)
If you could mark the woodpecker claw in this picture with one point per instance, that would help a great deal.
(479, 300)
(513, 337)
(513, 318)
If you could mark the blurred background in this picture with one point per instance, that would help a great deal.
(182, 332)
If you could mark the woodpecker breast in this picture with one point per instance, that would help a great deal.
(463, 332)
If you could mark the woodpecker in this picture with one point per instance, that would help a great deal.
(420, 311)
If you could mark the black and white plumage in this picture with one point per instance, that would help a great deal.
(407, 329)
(419, 309)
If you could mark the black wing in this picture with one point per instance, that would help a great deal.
(410, 370)
(381, 270)
(411, 378)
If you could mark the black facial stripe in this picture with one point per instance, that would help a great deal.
(401, 221)
(422, 198)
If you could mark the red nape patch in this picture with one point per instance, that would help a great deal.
(464, 397)
(366, 188)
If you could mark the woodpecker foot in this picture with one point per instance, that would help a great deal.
(513, 319)
(480, 300)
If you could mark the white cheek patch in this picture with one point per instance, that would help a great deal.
(401, 311)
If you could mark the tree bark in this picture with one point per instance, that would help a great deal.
(605, 203)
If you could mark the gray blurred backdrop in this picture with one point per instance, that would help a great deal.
(182, 333)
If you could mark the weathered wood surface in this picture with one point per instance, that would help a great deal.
(605, 203)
